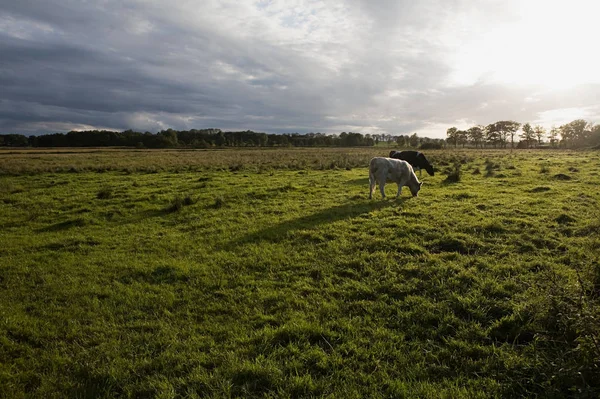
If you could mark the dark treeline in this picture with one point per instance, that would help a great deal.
(205, 138)
(212, 138)
(501, 134)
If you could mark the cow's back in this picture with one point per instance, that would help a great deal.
(415, 158)
(409, 156)
(394, 169)
(378, 164)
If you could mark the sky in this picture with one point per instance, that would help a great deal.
(367, 66)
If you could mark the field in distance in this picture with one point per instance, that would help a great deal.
(269, 273)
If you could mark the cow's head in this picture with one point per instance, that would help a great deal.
(415, 187)
(392, 153)
(425, 164)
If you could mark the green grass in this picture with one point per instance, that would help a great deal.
(277, 277)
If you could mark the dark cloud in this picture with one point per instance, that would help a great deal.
(370, 66)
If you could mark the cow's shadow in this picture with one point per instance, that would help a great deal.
(364, 181)
(330, 215)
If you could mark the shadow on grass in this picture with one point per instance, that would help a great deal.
(148, 214)
(359, 182)
(90, 385)
(346, 211)
(67, 224)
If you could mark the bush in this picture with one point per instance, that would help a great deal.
(454, 174)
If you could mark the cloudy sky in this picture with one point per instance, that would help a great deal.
(368, 66)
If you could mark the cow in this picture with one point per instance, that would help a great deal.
(395, 170)
(415, 158)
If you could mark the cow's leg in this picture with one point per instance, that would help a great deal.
(372, 182)
(382, 179)
(399, 190)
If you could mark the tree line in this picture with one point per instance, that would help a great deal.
(577, 133)
(211, 138)
(195, 138)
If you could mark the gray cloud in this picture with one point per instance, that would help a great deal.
(368, 66)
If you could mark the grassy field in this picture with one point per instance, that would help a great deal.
(269, 273)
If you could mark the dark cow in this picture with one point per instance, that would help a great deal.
(415, 158)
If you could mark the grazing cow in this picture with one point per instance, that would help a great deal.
(395, 170)
(415, 158)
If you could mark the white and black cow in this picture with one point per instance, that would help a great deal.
(398, 171)
(415, 158)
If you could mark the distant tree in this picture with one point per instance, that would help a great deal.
(575, 133)
(502, 135)
(492, 134)
(452, 136)
(284, 140)
(263, 139)
(462, 137)
(476, 135)
(498, 132)
(15, 140)
(540, 132)
(168, 138)
(566, 135)
(508, 128)
(581, 131)
(220, 139)
(595, 135)
(414, 140)
(402, 141)
(553, 136)
(528, 135)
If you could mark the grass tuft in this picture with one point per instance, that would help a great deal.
(565, 219)
(219, 203)
(490, 168)
(454, 175)
(562, 176)
(179, 202)
(105, 193)
(540, 189)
